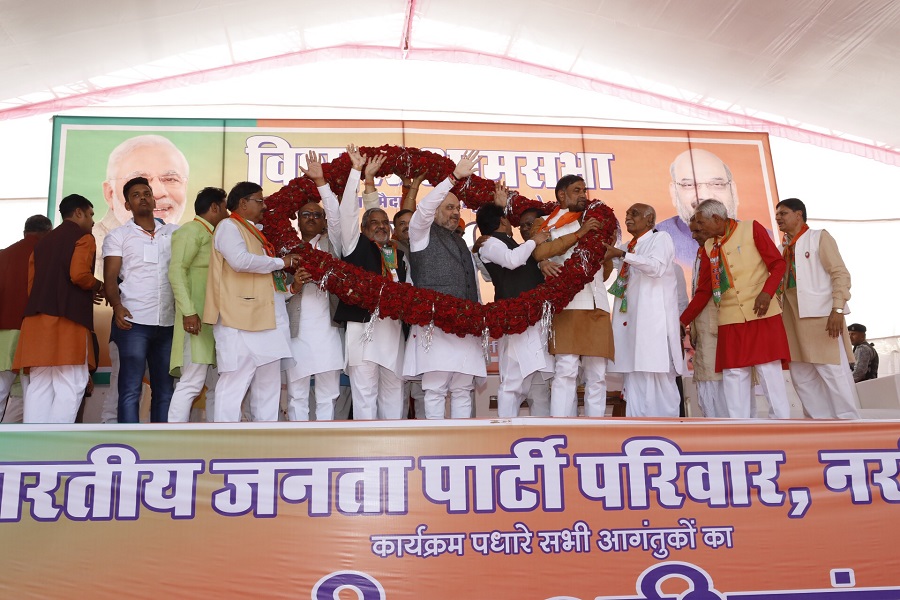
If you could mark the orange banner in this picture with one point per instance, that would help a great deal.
(529, 508)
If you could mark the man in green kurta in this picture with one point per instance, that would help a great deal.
(193, 346)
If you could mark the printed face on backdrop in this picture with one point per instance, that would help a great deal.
(699, 175)
(164, 166)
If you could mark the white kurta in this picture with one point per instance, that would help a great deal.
(520, 353)
(236, 346)
(648, 336)
(593, 294)
(387, 345)
(447, 352)
(317, 347)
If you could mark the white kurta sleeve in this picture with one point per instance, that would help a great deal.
(655, 257)
(349, 214)
(229, 242)
(420, 223)
(333, 216)
(495, 251)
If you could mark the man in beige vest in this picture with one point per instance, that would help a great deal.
(704, 332)
(740, 270)
(814, 298)
(245, 302)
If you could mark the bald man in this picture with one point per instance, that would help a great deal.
(697, 175)
(645, 324)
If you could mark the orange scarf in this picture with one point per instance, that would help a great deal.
(267, 246)
(567, 218)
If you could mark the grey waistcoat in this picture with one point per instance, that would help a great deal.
(445, 265)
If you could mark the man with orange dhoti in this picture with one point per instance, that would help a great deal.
(60, 311)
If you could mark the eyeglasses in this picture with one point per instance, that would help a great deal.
(260, 200)
(170, 179)
(716, 186)
(312, 215)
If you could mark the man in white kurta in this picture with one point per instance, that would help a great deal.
(373, 363)
(645, 317)
(815, 292)
(254, 356)
(442, 262)
(582, 336)
(523, 357)
(315, 339)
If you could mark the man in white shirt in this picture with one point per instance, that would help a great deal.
(442, 262)
(246, 291)
(138, 254)
(523, 356)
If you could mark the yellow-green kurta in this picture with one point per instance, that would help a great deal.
(191, 246)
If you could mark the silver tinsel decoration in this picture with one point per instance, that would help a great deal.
(584, 258)
(546, 322)
(324, 280)
(370, 326)
(486, 345)
(428, 332)
(369, 330)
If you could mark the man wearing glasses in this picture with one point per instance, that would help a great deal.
(246, 292)
(315, 338)
(697, 175)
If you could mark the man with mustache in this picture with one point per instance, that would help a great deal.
(740, 270)
(143, 304)
(442, 262)
(582, 333)
(645, 317)
(246, 291)
(815, 291)
(373, 362)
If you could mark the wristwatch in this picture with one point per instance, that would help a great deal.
(839, 311)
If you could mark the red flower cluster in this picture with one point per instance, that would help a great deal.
(420, 306)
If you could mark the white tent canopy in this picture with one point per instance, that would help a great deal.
(818, 75)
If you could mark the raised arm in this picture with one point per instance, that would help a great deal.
(314, 171)
(420, 222)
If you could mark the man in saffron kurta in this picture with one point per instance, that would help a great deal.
(245, 303)
(193, 346)
(815, 292)
(14, 262)
(55, 341)
(741, 268)
(645, 317)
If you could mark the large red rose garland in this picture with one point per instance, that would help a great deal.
(419, 306)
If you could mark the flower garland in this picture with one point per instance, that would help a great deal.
(418, 306)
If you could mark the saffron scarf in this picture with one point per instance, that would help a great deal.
(278, 278)
(620, 286)
(721, 278)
